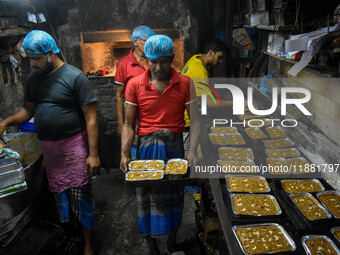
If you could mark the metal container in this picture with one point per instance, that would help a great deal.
(328, 192)
(292, 166)
(248, 176)
(12, 207)
(227, 130)
(278, 208)
(304, 180)
(304, 239)
(316, 202)
(127, 174)
(248, 165)
(243, 142)
(176, 160)
(11, 172)
(146, 161)
(290, 241)
(236, 149)
(265, 142)
(278, 128)
(212, 135)
(266, 122)
(273, 167)
(292, 150)
(256, 129)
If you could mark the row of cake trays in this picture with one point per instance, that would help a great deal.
(321, 194)
(252, 244)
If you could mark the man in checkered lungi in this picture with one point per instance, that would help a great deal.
(158, 98)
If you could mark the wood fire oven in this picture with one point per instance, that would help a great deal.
(103, 49)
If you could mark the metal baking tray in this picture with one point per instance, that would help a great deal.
(234, 130)
(285, 166)
(9, 164)
(177, 160)
(235, 149)
(288, 238)
(301, 158)
(235, 134)
(267, 151)
(238, 170)
(249, 115)
(333, 230)
(328, 192)
(276, 128)
(146, 161)
(314, 199)
(256, 129)
(247, 176)
(278, 208)
(266, 123)
(218, 134)
(277, 140)
(303, 180)
(304, 239)
(146, 171)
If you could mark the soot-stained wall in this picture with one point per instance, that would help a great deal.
(70, 18)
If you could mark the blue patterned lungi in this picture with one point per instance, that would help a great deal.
(160, 208)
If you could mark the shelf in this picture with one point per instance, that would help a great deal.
(275, 28)
(11, 32)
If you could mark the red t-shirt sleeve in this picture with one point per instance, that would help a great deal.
(120, 76)
(131, 92)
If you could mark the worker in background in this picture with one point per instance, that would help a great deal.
(199, 68)
(130, 66)
(158, 97)
(63, 104)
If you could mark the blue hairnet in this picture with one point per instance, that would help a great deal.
(158, 45)
(39, 42)
(142, 31)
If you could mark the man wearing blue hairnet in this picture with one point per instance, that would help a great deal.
(130, 66)
(158, 98)
(61, 99)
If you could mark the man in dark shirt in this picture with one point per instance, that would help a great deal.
(61, 99)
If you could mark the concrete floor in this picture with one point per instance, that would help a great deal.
(116, 219)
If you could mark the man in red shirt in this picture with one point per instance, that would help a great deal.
(158, 98)
(130, 66)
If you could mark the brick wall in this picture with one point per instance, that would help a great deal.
(109, 142)
(324, 104)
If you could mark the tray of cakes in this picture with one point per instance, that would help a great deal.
(331, 200)
(336, 233)
(247, 184)
(310, 209)
(265, 238)
(158, 172)
(235, 153)
(319, 244)
(254, 205)
(301, 186)
(244, 166)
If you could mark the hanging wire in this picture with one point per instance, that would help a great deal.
(297, 10)
(55, 36)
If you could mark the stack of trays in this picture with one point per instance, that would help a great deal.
(150, 170)
(11, 172)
